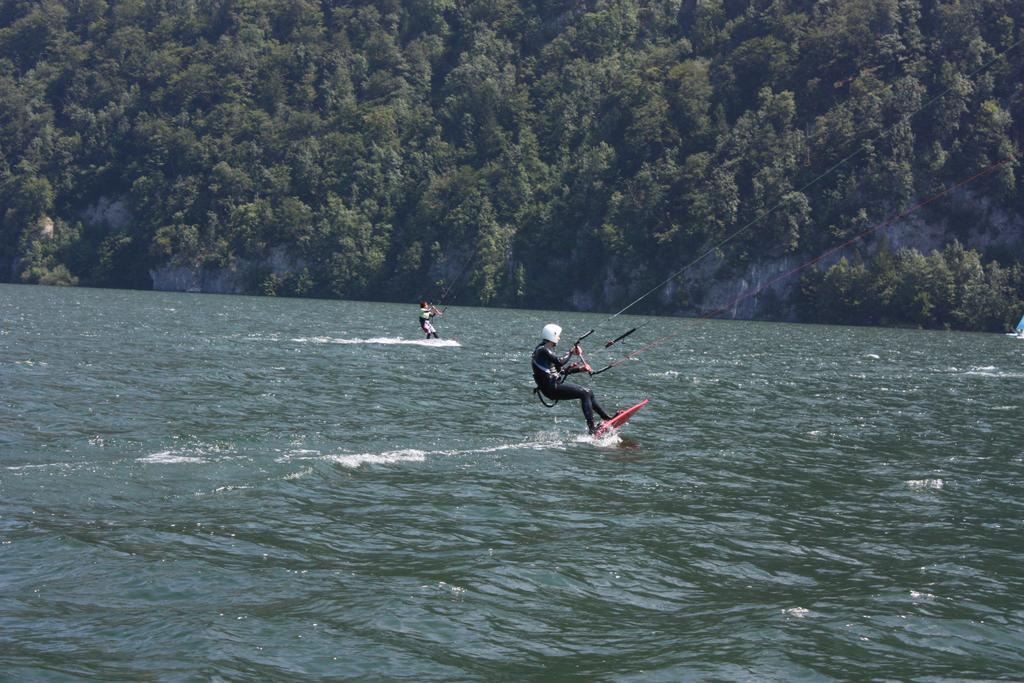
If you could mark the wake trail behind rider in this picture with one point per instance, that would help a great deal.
(550, 371)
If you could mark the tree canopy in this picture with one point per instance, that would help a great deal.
(550, 153)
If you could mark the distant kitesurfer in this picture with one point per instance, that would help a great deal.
(426, 313)
(549, 372)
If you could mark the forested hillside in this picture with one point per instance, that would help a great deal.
(547, 153)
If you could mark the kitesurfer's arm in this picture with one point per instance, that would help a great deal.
(582, 366)
(549, 359)
(578, 367)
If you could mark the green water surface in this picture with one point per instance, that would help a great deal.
(198, 487)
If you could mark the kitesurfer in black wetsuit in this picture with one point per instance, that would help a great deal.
(549, 372)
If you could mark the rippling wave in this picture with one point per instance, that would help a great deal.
(224, 488)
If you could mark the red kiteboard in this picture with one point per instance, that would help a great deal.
(618, 419)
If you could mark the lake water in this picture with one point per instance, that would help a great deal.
(198, 487)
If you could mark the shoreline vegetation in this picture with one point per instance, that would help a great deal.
(544, 154)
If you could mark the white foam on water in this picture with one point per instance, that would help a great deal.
(223, 489)
(305, 471)
(454, 590)
(609, 438)
(667, 373)
(390, 341)
(355, 460)
(169, 458)
(189, 453)
(260, 337)
(59, 465)
(526, 445)
(993, 371)
(917, 595)
(925, 484)
(406, 455)
(299, 453)
(799, 612)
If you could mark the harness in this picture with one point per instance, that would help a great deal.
(540, 395)
(556, 377)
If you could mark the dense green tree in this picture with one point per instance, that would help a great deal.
(948, 289)
(539, 152)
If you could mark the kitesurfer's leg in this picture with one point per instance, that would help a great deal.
(567, 391)
(587, 404)
(597, 407)
(590, 406)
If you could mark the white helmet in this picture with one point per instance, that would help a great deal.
(551, 333)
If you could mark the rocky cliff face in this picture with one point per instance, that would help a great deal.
(744, 297)
(746, 294)
(111, 213)
(171, 278)
(235, 279)
(966, 217)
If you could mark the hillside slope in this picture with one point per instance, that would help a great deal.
(548, 153)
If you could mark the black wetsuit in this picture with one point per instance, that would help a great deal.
(546, 373)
